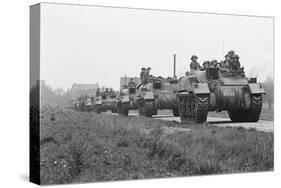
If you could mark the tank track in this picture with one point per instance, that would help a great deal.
(193, 108)
(149, 108)
(256, 107)
(141, 107)
(251, 115)
(125, 109)
(202, 108)
(119, 108)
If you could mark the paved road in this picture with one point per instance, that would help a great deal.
(262, 125)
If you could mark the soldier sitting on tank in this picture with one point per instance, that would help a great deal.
(226, 62)
(231, 53)
(194, 65)
(218, 65)
(236, 63)
(213, 63)
(146, 75)
(205, 65)
(142, 73)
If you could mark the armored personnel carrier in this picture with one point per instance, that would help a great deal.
(157, 94)
(218, 89)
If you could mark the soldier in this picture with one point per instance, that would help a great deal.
(142, 73)
(236, 62)
(194, 65)
(231, 53)
(213, 63)
(206, 65)
(146, 75)
(226, 62)
(218, 65)
(131, 83)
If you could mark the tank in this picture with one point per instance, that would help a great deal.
(219, 89)
(127, 99)
(105, 101)
(84, 104)
(158, 94)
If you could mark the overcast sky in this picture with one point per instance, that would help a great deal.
(87, 44)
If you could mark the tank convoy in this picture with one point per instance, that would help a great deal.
(216, 86)
(101, 102)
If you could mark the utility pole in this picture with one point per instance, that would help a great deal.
(174, 75)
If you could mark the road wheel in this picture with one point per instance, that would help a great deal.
(251, 115)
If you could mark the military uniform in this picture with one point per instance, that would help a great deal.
(146, 76)
(194, 65)
(142, 73)
(236, 63)
(206, 64)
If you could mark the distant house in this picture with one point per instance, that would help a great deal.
(125, 80)
(78, 90)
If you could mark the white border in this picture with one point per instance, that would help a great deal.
(14, 48)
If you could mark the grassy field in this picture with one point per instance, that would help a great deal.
(87, 147)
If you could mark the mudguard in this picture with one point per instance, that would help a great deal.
(256, 88)
(148, 96)
(125, 99)
(201, 88)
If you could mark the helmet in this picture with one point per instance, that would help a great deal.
(206, 62)
(231, 53)
(193, 56)
(143, 68)
(148, 68)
